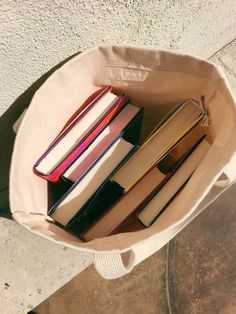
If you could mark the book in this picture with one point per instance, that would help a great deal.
(78, 134)
(155, 180)
(158, 144)
(73, 201)
(120, 124)
(150, 211)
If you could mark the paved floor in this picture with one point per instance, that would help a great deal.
(195, 273)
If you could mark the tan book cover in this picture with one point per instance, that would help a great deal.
(183, 119)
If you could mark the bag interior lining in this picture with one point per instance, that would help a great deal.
(158, 91)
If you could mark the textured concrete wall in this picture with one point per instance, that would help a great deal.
(36, 35)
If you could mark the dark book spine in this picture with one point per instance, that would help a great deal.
(101, 202)
(56, 191)
(133, 129)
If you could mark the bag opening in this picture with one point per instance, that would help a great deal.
(157, 80)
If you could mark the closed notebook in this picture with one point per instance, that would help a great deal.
(80, 132)
(154, 207)
(121, 123)
(155, 180)
(178, 124)
(74, 200)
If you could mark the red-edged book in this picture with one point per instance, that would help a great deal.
(78, 133)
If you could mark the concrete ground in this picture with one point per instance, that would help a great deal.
(195, 273)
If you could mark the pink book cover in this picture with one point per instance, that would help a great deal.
(102, 142)
(54, 176)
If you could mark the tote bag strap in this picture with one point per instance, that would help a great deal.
(111, 265)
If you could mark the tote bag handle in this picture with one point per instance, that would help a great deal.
(111, 265)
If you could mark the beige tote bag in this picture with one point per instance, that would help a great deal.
(154, 79)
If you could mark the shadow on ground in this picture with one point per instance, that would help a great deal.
(7, 136)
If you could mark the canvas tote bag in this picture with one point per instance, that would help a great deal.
(152, 78)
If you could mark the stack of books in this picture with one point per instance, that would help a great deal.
(107, 183)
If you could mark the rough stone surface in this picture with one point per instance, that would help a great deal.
(32, 268)
(226, 58)
(36, 35)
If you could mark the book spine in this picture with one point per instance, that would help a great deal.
(133, 129)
